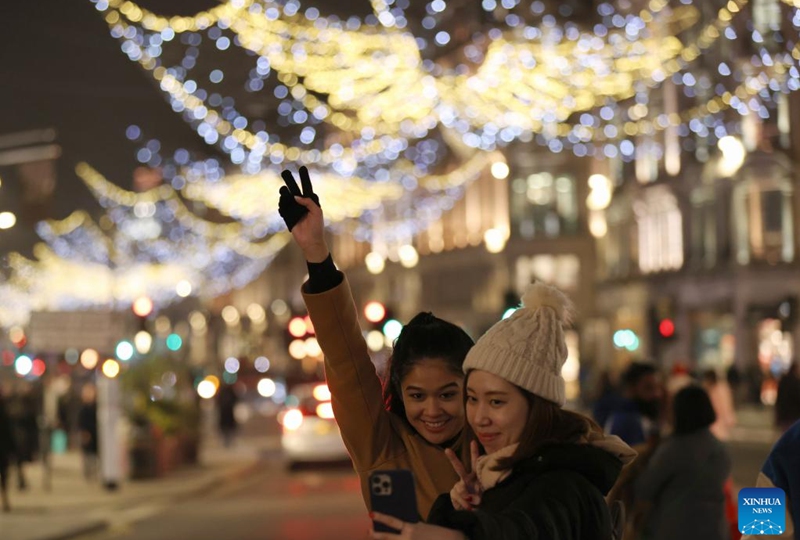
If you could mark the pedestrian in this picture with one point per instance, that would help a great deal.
(7, 452)
(226, 402)
(544, 471)
(680, 494)
(405, 419)
(787, 402)
(636, 421)
(782, 470)
(87, 428)
(22, 409)
(719, 392)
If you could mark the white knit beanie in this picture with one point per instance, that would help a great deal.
(528, 348)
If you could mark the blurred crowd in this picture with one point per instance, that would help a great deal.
(680, 484)
(34, 422)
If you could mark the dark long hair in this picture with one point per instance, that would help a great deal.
(424, 337)
(546, 423)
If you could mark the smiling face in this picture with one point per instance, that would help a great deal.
(497, 410)
(432, 397)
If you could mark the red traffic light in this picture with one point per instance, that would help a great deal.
(666, 328)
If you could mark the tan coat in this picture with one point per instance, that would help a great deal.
(375, 438)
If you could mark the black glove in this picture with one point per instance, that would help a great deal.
(289, 209)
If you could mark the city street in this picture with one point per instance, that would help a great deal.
(316, 502)
(243, 239)
(270, 504)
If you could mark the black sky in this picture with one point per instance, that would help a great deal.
(61, 68)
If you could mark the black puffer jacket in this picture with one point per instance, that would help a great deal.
(558, 494)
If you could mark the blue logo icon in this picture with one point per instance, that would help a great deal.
(762, 511)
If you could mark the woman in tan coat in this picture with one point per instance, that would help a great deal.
(407, 420)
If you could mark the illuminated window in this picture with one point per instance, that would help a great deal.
(563, 271)
(762, 211)
(544, 205)
(704, 228)
(767, 16)
(617, 248)
(660, 227)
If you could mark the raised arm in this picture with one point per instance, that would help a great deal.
(356, 392)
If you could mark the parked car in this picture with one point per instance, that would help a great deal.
(309, 430)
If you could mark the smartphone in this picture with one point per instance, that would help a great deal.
(392, 493)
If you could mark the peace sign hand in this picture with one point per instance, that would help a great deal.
(303, 215)
(466, 494)
(290, 209)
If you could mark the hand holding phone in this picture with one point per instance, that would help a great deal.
(392, 493)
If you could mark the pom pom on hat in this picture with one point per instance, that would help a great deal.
(528, 349)
(540, 295)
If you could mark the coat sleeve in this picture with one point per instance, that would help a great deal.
(545, 511)
(356, 392)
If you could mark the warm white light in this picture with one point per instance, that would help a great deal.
(7, 220)
(110, 368)
(163, 325)
(375, 262)
(206, 389)
(408, 256)
(279, 307)
(500, 170)
(266, 388)
(142, 306)
(16, 334)
(298, 327)
(230, 315)
(292, 420)
(198, 322)
(297, 349)
(143, 341)
(89, 358)
(375, 340)
(325, 410)
(600, 193)
(184, 288)
(374, 312)
(312, 347)
(597, 224)
(495, 240)
(733, 154)
(256, 313)
(321, 392)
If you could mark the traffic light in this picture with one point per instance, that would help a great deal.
(666, 328)
(663, 329)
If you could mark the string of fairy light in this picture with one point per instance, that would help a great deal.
(148, 243)
(306, 71)
(392, 115)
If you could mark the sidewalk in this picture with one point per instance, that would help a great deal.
(73, 507)
(755, 424)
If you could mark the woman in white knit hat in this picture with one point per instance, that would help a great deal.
(544, 471)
